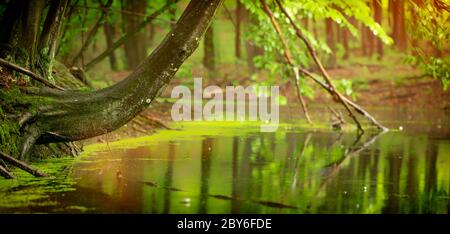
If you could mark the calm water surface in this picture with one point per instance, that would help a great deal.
(233, 168)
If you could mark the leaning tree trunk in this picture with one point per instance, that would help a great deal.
(71, 115)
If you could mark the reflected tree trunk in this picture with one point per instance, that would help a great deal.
(235, 190)
(205, 175)
(168, 177)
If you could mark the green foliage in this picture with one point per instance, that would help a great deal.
(431, 24)
(346, 87)
(9, 130)
(263, 35)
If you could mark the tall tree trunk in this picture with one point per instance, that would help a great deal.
(252, 50)
(49, 37)
(370, 42)
(345, 35)
(209, 55)
(315, 32)
(91, 35)
(72, 115)
(331, 42)
(364, 46)
(305, 22)
(19, 33)
(399, 31)
(135, 46)
(109, 36)
(21, 39)
(414, 16)
(378, 14)
(237, 38)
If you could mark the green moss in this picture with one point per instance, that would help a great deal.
(9, 135)
(13, 102)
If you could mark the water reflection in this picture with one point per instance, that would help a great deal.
(250, 172)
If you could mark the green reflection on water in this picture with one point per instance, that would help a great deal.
(233, 168)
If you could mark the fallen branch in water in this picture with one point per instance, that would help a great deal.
(332, 89)
(21, 165)
(357, 108)
(30, 74)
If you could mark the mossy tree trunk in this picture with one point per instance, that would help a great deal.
(22, 39)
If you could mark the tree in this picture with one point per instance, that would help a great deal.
(135, 46)
(399, 31)
(64, 116)
(21, 38)
(209, 55)
(237, 39)
(331, 41)
(109, 36)
(378, 16)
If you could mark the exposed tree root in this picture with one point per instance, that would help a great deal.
(19, 164)
(31, 134)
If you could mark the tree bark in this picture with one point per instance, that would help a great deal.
(399, 31)
(19, 31)
(73, 115)
(378, 16)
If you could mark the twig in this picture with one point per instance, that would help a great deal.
(325, 75)
(22, 165)
(288, 57)
(32, 75)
